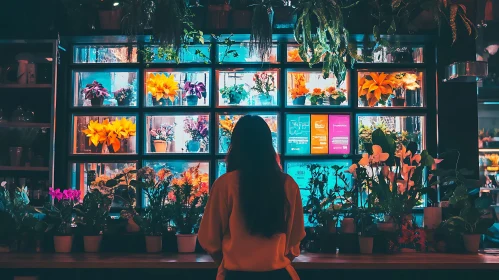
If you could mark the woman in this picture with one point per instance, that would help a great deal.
(253, 222)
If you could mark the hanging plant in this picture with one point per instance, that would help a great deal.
(168, 23)
(138, 16)
(261, 28)
(329, 42)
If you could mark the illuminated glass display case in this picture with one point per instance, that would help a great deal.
(180, 114)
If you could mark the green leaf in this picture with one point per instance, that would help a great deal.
(393, 27)
(111, 183)
(376, 34)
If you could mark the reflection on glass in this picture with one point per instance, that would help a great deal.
(226, 54)
(392, 89)
(95, 175)
(247, 88)
(403, 54)
(105, 88)
(221, 168)
(187, 88)
(177, 134)
(189, 54)
(226, 124)
(104, 54)
(104, 135)
(310, 88)
(408, 130)
(310, 174)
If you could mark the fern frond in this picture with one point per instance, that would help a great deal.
(452, 22)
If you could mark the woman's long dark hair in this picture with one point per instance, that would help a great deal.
(261, 180)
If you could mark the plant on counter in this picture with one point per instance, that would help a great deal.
(109, 133)
(123, 194)
(375, 88)
(194, 92)
(299, 90)
(95, 92)
(317, 96)
(412, 238)
(162, 137)
(336, 96)
(162, 88)
(234, 94)
(264, 84)
(198, 129)
(124, 96)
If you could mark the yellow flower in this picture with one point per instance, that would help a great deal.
(160, 86)
(95, 132)
(228, 124)
(494, 158)
(379, 84)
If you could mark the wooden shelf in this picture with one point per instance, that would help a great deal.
(24, 168)
(25, 86)
(25, 125)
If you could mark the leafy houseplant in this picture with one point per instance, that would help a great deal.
(124, 96)
(367, 229)
(187, 198)
(96, 93)
(336, 96)
(194, 92)
(198, 129)
(412, 238)
(234, 94)
(264, 84)
(91, 218)
(317, 96)
(154, 220)
(162, 136)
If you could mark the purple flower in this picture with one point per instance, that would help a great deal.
(198, 89)
(95, 90)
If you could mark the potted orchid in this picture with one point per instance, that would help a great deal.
(264, 84)
(198, 129)
(162, 136)
(60, 217)
(194, 92)
(124, 96)
(96, 93)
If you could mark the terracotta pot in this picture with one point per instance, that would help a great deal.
(160, 146)
(186, 243)
(432, 217)
(154, 244)
(110, 19)
(472, 242)
(92, 243)
(331, 226)
(366, 244)
(63, 244)
(348, 225)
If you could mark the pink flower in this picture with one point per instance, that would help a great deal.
(56, 194)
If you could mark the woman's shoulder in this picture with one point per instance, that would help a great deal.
(290, 183)
(225, 180)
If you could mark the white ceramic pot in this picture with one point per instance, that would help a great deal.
(63, 244)
(472, 242)
(432, 217)
(366, 244)
(154, 244)
(348, 225)
(92, 243)
(186, 243)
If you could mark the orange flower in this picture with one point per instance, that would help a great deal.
(163, 173)
(299, 88)
(317, 91)
(331, 89)
(294, 56)
(379, 84)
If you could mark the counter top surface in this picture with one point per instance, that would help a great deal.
(201, 261)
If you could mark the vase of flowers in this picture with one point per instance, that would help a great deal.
(234, 94)
(336, 96)
(124, 96)
(187, 198)
(108, 135)
(402, 83)
(317, 96)
(155, 218)
(198, 129)
(91, 218)
(162, 88)
(195, 91)
(299, 90)
(96, 93)
(162, 137)
(60, 213)
(264, 85)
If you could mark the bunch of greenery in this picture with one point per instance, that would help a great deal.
(235, 93)
(92, 215)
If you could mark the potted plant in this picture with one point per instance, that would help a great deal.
(403, 82)
(162, 137)
(91, 218)
(187, 199)
(154, 220)
(336, 96)
(194, 92)
(317, 96)
(59, 217)
(198, 129)
(163, 89)
(367, 230)
(375, 88)
(264, 84)
(96, 93)
(110, 14)
(234, 94)
(299, 90)
(124, 96)
(412, 238)
(107, 137)
(12, 213)
(226, 127)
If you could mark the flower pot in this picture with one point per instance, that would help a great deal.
(284, 17)
(407, 250)
(218, 16)
(299, 100)
(92, 243)
(398, 102)
(472, 242)
(63, 244)
(336, 101)
(160, 146)
(124, 102)
(265, 100)
(132, 226)
(331, 226)
(235, 99)
(319, 101)
(15, 154)
(192, 100)
(110, 19)
(97, 102)
(186, 243)
(241, 19)
(432, 217)
(366, 244)
(348, 225)
(154, 244)
(193, 146)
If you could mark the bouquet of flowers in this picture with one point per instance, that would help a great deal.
(124, 94)
(198, 129)
(165, 132)
(317, 96)
(95, 90)
(60, 211)
(264, 83)
(110, 132)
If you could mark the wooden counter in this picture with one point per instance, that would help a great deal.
(408, 261)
